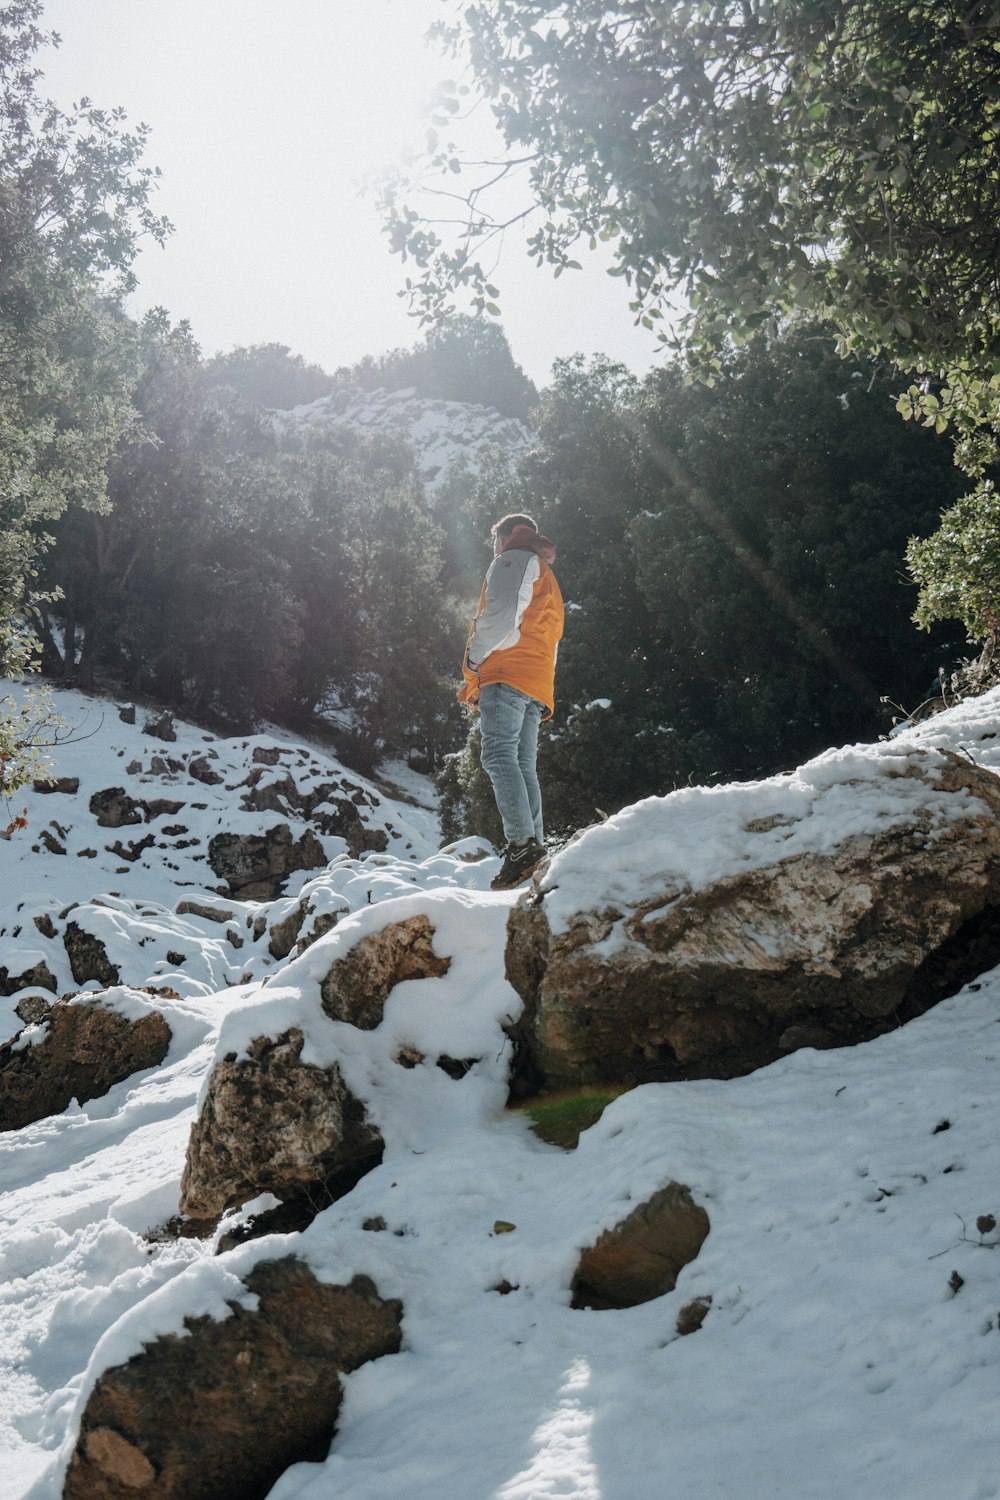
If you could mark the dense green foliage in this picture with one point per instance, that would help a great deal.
(73, 203)
(958, 567)
(248, 571)
(461, 359)
(269, 375)
(766, 156)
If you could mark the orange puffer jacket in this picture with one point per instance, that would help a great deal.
(519, 624)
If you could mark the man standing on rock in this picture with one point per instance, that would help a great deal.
(509, 671)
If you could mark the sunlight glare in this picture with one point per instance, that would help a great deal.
(562, 1465)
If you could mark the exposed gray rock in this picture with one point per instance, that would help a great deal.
(113, 808)
(188, 907)
(38, 974)
(221, 1412)
(255, 866)
(692, 1315)
(159, 807)
(326, 806)
(46, 785)
(32, 1008)
(86, 1047)
(284, 933)
(324, 922)
(160, 727)
(200, 768)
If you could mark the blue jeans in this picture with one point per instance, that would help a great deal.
(508, 722)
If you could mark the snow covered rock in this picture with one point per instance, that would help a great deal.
(358, 985)
(88, 957)
(706, 933)
(642, 1257)
(220, 1412)
(273, 1123)
(35, 973)
(83, 1046)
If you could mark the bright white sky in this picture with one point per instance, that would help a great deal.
(265, 116)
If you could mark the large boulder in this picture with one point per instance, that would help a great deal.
(220, 1412)
(691, 936)
(271, 1123)
(82, 1047)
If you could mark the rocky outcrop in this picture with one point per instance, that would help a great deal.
(221, 1412)
(161, 727)
(37, 974)
(357, 986)
(201, 769)
(824, 947)
(642, 1257)
(114, 808)
(78, 1051)
(255, 866)
(271, 1123)
(88, 957)
(46, 785)
(325, 806)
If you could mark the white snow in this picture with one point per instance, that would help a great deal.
(842, 1187)
(441, 433)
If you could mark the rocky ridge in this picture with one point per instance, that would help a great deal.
(441, 432)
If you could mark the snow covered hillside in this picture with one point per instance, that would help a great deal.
(851, 1345)
(440, 431)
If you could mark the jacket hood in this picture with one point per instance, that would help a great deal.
(531, 541)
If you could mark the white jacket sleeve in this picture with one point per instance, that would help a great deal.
(510, 583)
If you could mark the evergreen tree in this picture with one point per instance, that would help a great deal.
(462, 359)
(269, 375)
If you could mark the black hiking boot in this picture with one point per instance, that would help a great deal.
(520, 862)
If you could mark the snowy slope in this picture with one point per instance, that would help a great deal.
(66, 868)
(440, 432)
(853, 1342)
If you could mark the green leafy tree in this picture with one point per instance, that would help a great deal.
(837, 157)
(269, 375)
(181, 591)
(396, 692)
(74, 201)
(746, 163)
(958, 567)
(462, 359)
